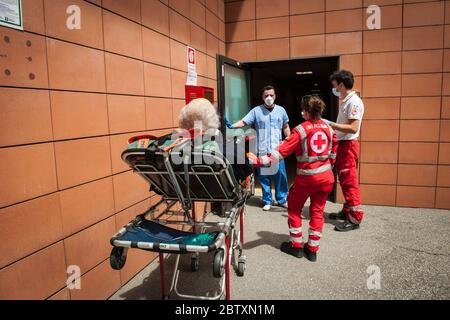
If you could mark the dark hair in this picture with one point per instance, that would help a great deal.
(268, 88)
(343, 76)
(314, 106)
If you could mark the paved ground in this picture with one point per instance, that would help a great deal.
(411, 248)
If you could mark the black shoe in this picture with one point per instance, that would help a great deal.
(311, 256)
(346, 226)
(287, 247)
(337, 215)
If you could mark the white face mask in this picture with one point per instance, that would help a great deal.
(269, 101)
(336, 92)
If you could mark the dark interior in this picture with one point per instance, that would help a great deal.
(292, 80)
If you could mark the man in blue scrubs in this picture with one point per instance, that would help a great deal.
(269, 121)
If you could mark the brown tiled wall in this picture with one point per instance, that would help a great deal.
(68, 105)
(402, 71)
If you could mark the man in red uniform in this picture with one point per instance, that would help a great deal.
(347, 128)
(315, 144)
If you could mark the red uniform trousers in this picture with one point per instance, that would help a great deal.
(316, 187)
(347, 166)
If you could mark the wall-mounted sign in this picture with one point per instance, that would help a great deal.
(192, 73)
(11, 14)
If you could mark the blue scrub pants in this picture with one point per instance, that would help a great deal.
(281, 185)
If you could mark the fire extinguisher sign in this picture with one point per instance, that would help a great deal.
(192, 73)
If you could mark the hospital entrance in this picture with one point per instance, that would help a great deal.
(240, 89)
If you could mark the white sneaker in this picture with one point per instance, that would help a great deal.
(266, 207)
(283, 205)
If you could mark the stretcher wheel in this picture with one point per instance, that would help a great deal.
(241, 269)
(117, 258)
(219, 264)
(195, 264)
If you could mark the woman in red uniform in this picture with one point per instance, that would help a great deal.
(315, 145)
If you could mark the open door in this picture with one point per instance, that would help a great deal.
(233, 91)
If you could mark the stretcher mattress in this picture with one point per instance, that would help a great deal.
(149, 231)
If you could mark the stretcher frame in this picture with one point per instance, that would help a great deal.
(227, 244)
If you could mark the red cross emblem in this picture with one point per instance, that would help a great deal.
(319, 142)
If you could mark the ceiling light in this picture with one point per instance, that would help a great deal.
(304, 72)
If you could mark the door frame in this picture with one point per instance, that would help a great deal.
(220, 67)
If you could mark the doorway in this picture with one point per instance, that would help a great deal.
(292, 80)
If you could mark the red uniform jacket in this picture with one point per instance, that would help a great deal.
(315, 145)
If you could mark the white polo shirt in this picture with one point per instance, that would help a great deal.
(351, 107)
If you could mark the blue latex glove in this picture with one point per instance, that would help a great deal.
(328, 122)
(228, 124)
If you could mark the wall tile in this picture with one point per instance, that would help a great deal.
(179, 27)
(307, 46)
(124, 75)
(240, 31)
(379, 152)
(198, 13)
(381, 108)
(23, 61)
(266, 9)
(35, 277)
(212, 45)
(416, 197)
(30, 183)
(130, 9)
(379, 130)
(98, 284)
(443, 198)
(340, 43)
(33, 16)
(86, 205)
(20, 236)
(306, 6)
(307, 24)
(344, 21)
(74, 67)
(157, 80)
(423, 14)
(422, 61)
(122, 36)
(118, 145)
(378, 173)
(419, 130)
(423, 38)
(77, 115)
(416, 175)
(382, 86)
(339, 5)
(378, 194)
(90, 246)
(382, 63)
(126, 113)
(91, 28)
(413, 108)
(243, 51)
(155, 15)
(26, 116)
(272, 28)
(198, 37)
(418, 153)
(212, 23)
(444, 135)
(240, 10)
(178, 56)
(382, 40)
(444, 153)
(159, 113)
(421, 84)
(178, 79)
(129, 189)
(80, 161)
(272, 49)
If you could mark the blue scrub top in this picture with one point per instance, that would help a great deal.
(268, 125)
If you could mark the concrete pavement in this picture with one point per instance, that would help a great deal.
(409, 247)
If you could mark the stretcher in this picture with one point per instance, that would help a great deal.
(184, 183)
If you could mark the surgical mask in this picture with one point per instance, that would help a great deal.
(269, 101)
(336, 92)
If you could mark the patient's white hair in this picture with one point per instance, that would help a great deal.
(199, 110)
